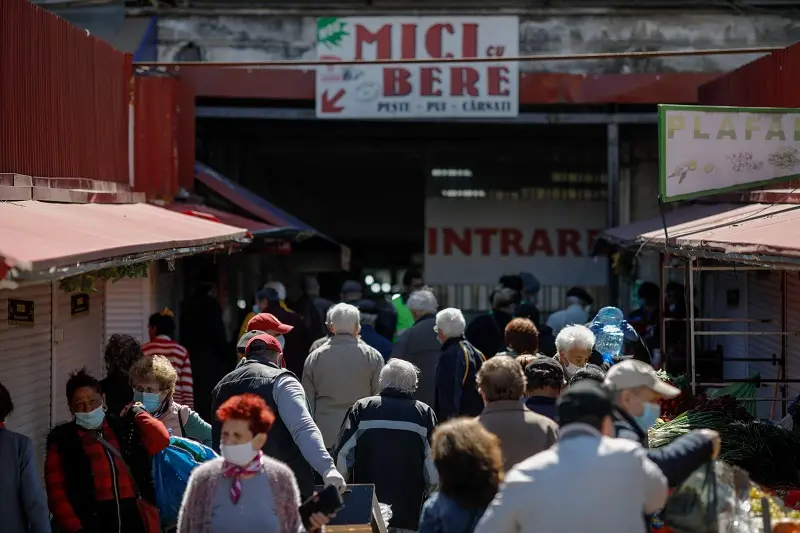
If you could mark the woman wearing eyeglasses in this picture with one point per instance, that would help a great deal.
(153, 381)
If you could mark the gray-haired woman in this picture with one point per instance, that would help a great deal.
(385, 440)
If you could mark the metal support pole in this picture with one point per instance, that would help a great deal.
(691, 328)
(784, 338)
(612, 171)
(662, 334)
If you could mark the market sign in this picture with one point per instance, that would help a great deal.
(476, 240)
(709, 150)
(79, 304)
(20, 313)
(430, 90)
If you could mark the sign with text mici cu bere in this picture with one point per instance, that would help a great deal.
(709, 150)
(426, 90)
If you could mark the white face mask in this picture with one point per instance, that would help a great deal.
(238, 454)
(282, 340)
(571, 369)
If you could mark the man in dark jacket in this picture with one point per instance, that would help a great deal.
(202, 333)
(385, 441)
(294, 437)
(420, 345)
(637, 390)
(456, 389)
(297, 342)
(487, 332)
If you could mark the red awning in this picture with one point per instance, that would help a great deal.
(254, 227)
(37, 236)
(754, 230)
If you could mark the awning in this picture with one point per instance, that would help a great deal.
(254, 227)
(631, 235)
(765, 233)
(248, 200)
(44, 237)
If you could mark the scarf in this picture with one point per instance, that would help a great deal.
(236, 472)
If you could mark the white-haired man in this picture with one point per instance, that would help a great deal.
(385, 440)
(456, 390)
(574, 346)
(419, 344)
(340, 372)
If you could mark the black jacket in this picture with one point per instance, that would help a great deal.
(258, 377)
(678, 459)
(487, 332)
(385, 440)
(77, 467)
(456, 389)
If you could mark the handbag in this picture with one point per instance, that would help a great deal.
(147, 511)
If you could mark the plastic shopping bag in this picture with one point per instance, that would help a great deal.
(693, 507)
(171, 470)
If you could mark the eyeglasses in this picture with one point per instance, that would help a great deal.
(144, 388)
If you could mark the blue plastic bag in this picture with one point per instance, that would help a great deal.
(171, 470)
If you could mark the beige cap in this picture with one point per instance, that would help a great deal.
(630, 374)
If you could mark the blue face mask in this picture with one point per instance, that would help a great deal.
(91, 420)
(150, 400)
(649, 416)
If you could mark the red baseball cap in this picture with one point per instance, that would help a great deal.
(268, 322)
(262, 342)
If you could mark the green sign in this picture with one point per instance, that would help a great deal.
(710, 150)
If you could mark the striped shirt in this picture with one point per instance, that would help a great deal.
(179, 357)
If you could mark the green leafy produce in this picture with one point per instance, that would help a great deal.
(770, 453)
(738, 391)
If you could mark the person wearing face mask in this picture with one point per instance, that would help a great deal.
(574, 346)
(244, 490)
(638, 389)
(153, 381)
(294, 437)
(100, 462)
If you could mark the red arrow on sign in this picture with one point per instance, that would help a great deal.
(329, 104)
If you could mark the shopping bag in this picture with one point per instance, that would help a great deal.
(171, 470)
(693, 507)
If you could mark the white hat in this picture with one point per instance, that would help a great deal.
(631, 373)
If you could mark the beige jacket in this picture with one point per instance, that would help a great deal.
(335, 376)
(522, 432)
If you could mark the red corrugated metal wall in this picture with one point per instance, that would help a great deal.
(770, 81)
(155, 104)
(186, 135)
(63, 98)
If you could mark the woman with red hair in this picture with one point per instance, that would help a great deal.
(244, 490)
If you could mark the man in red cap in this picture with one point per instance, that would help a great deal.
(294, 437)
(292, 345)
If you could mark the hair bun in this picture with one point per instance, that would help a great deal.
(167, 312)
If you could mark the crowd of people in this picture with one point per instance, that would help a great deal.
(485, 427)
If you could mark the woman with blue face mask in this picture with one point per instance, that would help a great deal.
(99, 463)
(153, 380)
